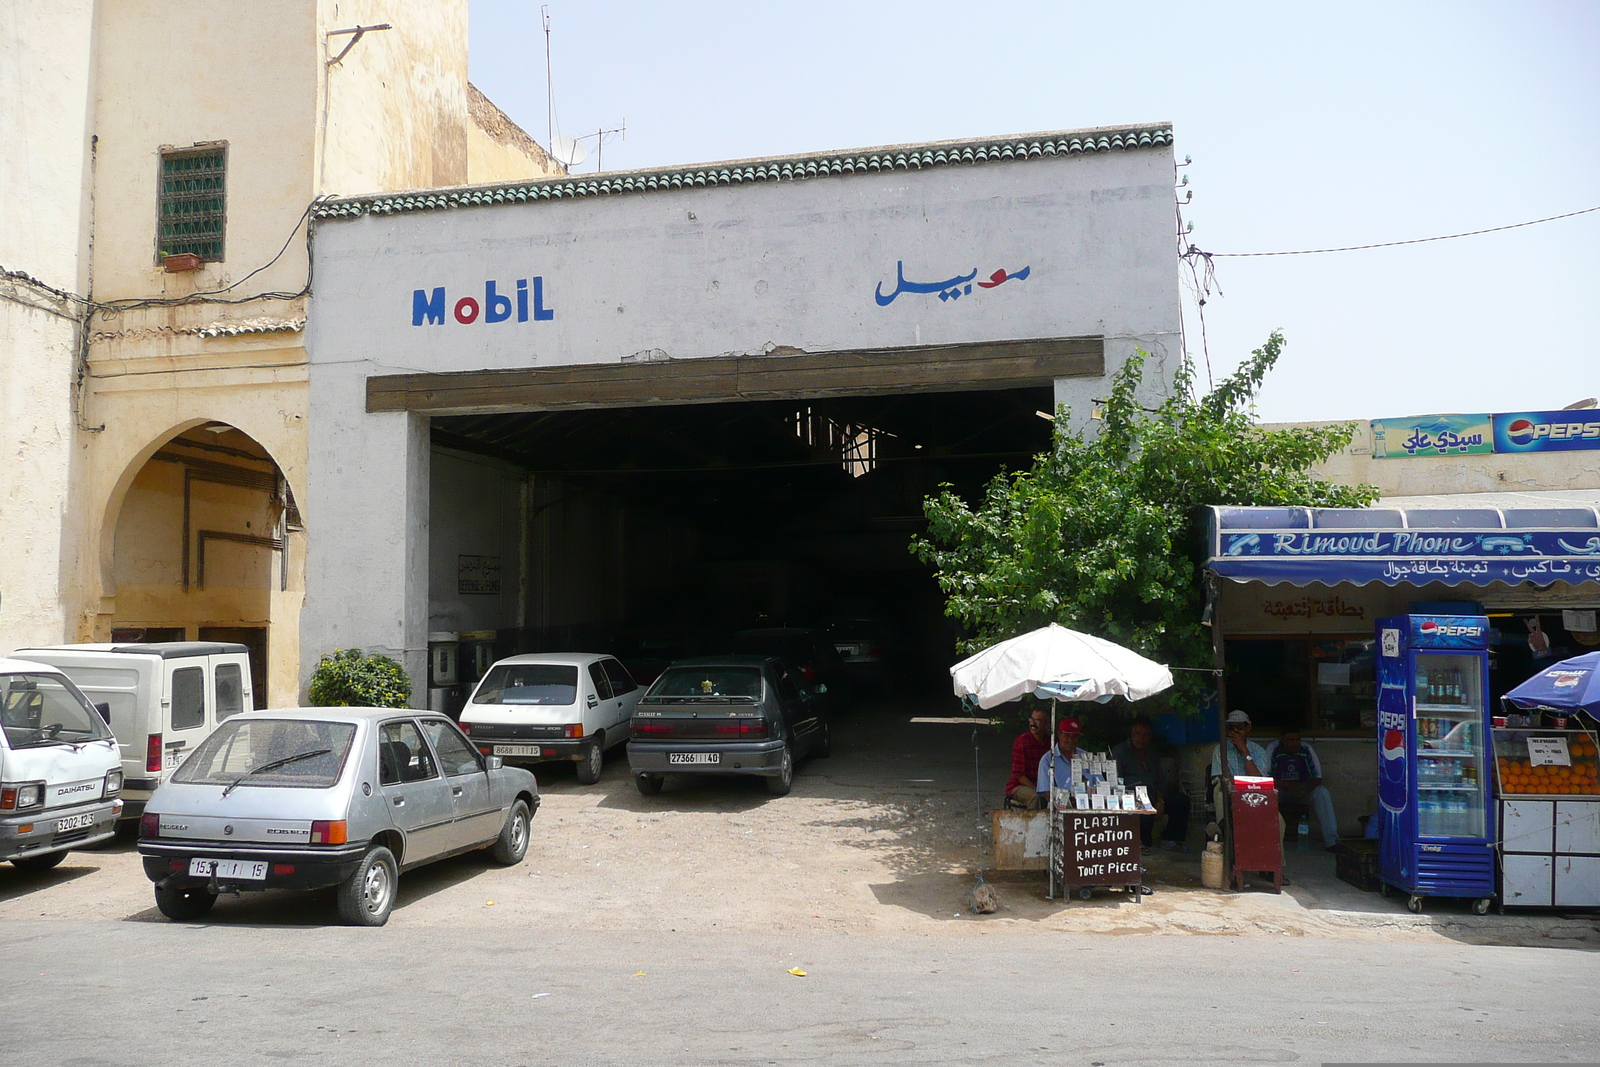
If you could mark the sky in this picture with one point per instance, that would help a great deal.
(1309, 126)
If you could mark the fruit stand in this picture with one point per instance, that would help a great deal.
(1548, 790)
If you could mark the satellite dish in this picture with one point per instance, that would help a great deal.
(568, 151)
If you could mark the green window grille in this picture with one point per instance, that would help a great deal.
(194, 202)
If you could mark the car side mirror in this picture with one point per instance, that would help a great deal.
(495, 762)
(105, 710)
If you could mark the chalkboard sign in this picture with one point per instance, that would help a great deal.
(1099, 847)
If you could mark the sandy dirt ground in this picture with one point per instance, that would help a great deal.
(880, 838)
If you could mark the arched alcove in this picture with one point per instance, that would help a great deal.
(203, 545)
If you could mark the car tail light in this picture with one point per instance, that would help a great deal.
(654, 728)
(149, 825)
(808, 672)
(283, 868)
(328, 833)
(747, 728)
(466, 727)
(573, 729)
(152, 754)
(487, 750)
(176, 865)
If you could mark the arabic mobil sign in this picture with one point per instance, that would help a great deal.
(1432, 435)
(1547, 431)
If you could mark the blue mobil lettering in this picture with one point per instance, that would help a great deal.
(428, 306)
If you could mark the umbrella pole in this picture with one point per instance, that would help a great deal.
(1049, 800)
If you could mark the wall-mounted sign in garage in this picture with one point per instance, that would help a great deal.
(478, 574)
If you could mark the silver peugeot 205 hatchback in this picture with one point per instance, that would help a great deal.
(306, 798)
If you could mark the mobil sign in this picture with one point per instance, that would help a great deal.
(1547, 431)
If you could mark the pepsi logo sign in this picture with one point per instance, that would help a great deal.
(1429, 628)
(1394, 744)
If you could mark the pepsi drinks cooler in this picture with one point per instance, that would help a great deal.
(1437, 820)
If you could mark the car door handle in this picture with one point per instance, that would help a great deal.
(455, 790)
(399, 802)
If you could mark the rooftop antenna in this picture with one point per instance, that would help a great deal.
(568, 151)
(549, 81)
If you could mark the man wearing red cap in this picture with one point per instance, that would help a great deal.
(1068, 730)
(1026, 752)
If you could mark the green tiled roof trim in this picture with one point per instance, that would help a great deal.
(778, 169)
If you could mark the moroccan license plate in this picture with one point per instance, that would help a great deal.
(517, 750)
(236, 870)
(74, 822)
(694, 757)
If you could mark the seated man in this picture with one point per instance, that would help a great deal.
(1026, 752)
(1068, 731)
(1139, 764)
(1298, 774)
(1245, 757)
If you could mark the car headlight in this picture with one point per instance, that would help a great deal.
(21, 796)
(113, 784)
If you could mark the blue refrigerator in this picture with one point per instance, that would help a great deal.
(1434, 795)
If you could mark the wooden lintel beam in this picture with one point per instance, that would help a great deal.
(923, 369)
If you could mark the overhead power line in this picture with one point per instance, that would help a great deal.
(1391, 244)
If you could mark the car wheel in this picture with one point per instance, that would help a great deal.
(513, 842)
(824, 747)
(367, 896)
(780, 784)
(649, 784)
(38, 863)
(184, 903)
(594, 757)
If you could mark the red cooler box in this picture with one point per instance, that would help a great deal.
(1257, 833)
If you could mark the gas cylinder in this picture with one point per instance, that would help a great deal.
(1211, 865)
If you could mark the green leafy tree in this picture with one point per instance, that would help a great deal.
(346, 678)
(1098, 534)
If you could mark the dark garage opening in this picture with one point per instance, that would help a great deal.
(658, 532)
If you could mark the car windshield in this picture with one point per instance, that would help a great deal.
(47, 709)
(529, 683)
(708, 682)
(293, 753)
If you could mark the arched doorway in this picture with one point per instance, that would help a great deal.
(204, 549)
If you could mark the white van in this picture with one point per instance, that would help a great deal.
(60, 773)
(553, 706)
(163, 698)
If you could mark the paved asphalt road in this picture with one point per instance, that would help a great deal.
(88, 993)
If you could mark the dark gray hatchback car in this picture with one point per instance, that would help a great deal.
(727, 715)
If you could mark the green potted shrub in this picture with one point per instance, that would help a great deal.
(346, 678)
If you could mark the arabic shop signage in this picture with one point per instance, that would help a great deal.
(1476, 435)
(949, 289)
(1415, 556)
(1432, 435)
(1547, 431)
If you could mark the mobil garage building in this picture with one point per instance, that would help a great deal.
(635, 412)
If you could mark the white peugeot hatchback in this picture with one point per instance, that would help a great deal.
(552, 706)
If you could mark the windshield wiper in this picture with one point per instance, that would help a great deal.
(274, 765)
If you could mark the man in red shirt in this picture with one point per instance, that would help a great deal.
(1026, 752)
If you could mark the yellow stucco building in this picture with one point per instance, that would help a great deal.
(157, 166)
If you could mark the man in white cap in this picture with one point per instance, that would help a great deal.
(1244, 757)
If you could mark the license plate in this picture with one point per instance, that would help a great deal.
(74, 822)
(247, 870)
(517, 750)
(694, 757)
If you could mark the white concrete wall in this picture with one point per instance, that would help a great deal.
(708, 272)
(46, 102)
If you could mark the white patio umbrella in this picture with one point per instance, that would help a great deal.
(1057, 664)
